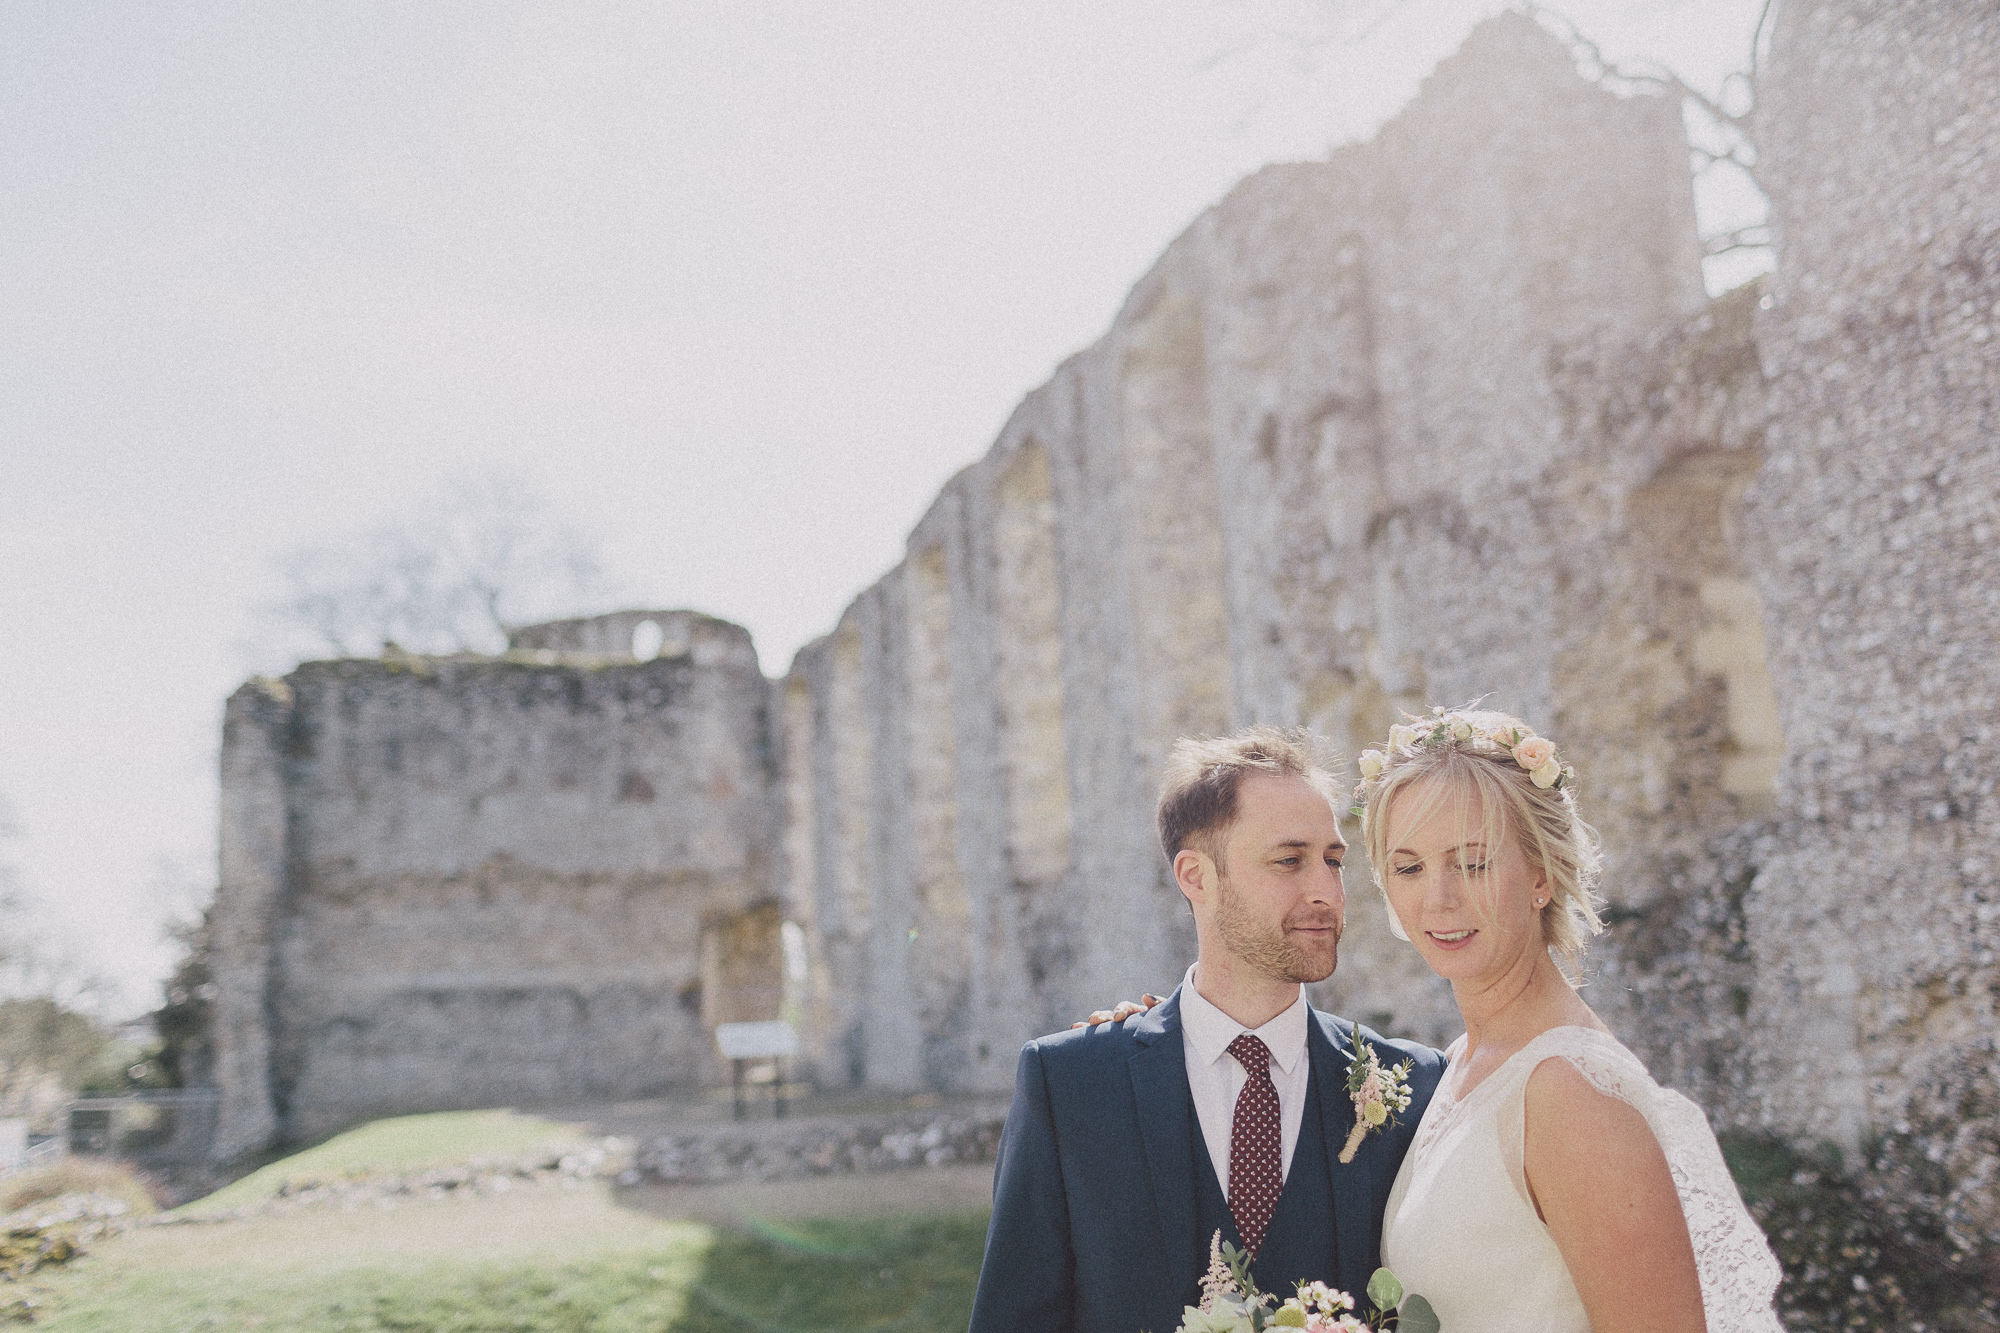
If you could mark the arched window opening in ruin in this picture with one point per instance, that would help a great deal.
(647, 637)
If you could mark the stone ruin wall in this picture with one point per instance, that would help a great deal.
(1445, 416)
(459, 882)
(1449, 416)
(1875, 918)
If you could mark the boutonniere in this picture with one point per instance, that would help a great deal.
(1378, 1094)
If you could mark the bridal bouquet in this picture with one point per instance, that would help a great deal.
(1231, 1303)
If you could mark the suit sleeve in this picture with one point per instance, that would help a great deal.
(1027, 1282)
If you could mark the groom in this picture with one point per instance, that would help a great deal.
(1224, 1109)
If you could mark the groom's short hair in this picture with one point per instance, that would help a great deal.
(1198, 793)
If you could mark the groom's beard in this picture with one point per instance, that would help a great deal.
(1275, 950)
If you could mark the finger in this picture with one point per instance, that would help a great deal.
(1150, 999)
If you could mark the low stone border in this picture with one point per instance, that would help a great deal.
(565, 1168)
(776, 1150)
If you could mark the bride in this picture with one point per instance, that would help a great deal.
(1552, 1187)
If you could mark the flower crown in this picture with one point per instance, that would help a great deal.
(1536, 754)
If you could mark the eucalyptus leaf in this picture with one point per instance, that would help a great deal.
(1416, 1316)
(1385, 1290)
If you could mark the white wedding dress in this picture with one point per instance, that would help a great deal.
(1461, 1230)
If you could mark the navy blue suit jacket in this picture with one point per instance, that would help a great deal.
(1094, 1226)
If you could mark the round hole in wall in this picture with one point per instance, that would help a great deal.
(647, 636)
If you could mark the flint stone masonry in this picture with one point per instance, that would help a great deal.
(1445, 416)
(1875, 915)
(456, 882)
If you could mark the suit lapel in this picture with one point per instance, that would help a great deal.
(1355, 1185)
(1166, 1125)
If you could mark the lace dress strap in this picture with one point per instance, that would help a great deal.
(1739, 1274)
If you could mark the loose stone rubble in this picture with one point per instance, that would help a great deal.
(54, 1231)
(565, 1167)
(829, 1147)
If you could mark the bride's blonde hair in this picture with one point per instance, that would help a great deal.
(1485, 755)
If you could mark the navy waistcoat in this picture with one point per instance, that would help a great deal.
(1300, 1246)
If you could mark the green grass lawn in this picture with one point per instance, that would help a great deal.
(915, 1273)
(902, 1253)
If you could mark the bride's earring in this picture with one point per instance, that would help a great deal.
(1541, 902)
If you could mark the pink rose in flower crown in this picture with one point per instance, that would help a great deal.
(1534, 752)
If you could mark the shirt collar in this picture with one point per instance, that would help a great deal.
(1211, 1030)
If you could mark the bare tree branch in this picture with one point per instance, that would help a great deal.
(1760, 39)
(1731, 143)
(1756, 237)
(11, 906)
(30, 963)
(1705, 158)
(456, 572)
(1653, 78)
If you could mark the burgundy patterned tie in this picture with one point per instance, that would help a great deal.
(1256, 1172)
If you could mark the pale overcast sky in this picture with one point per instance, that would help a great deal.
(737, 286)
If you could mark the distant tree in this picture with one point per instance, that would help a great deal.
(186, 1022)
(30, 962)
(46, 1049)
(453, 572)
(10, 886)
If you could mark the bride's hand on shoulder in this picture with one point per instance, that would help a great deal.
(1599, 1180)
(1125, 1009)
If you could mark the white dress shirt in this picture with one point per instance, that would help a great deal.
(1215, 1078)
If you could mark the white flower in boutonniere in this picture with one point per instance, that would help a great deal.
(1378, 1094)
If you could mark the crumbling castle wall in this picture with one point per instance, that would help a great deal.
(1445, 416)
(1875, 919)
(480, 881)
